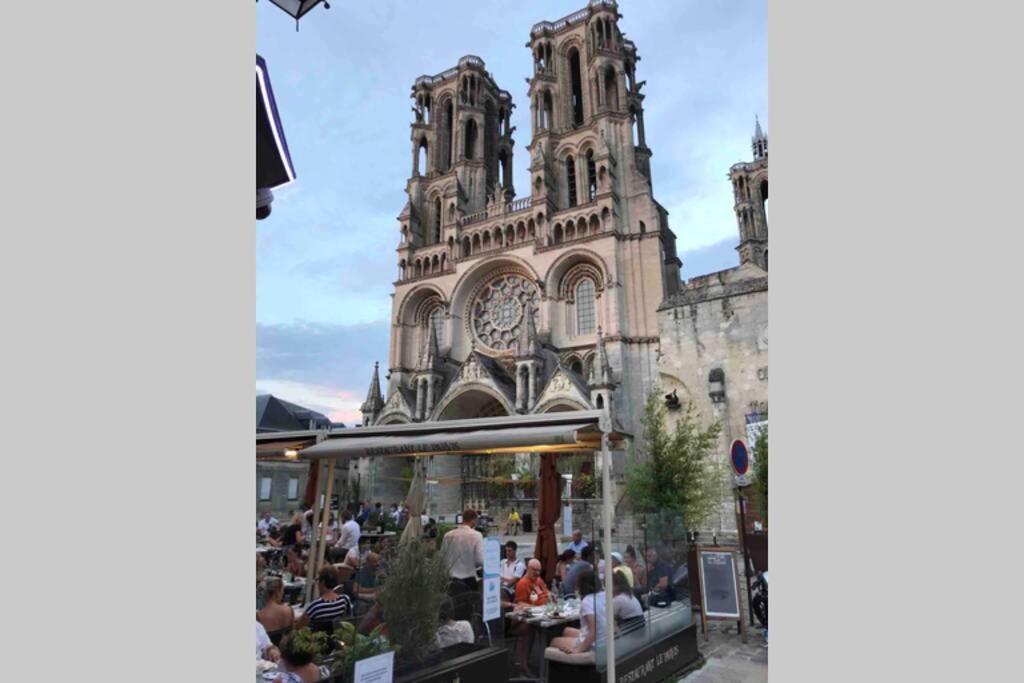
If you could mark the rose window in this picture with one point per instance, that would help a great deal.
(499, 310)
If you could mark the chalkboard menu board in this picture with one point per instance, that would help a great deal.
(719, 584)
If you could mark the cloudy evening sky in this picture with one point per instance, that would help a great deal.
(325, 258)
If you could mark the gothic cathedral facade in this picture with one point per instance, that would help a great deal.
(551, 301)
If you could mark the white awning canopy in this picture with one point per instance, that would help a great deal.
(560, 432)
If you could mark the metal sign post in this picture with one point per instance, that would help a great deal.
(741, 464)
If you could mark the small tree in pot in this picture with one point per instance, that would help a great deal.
(413, 584)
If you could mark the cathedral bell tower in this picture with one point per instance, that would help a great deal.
(461, 152)
(750, 189)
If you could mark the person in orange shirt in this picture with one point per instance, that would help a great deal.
(531, 589)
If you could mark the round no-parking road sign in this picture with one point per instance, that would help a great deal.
(739, 457)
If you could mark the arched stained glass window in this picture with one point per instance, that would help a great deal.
(585, 317)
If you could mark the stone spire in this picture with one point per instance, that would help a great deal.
(601, 373)
(528, 346)
(430, 359)
(759, 143)
(602, 384)
(374, 403)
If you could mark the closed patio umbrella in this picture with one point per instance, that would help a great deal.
(312, 484)
(414, 500)
(548, 513)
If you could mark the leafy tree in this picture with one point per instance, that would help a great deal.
(760, 478)
(675, 472)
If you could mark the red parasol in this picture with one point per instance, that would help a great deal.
(548, 512)
(312, 484)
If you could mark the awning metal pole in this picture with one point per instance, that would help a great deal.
(307, 593)
(606, 503)
(321, 546)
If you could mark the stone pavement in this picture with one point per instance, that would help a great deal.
(728, 659)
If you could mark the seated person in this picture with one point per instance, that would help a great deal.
(625, 606)
(356, 556)
(264, 648)
(293, 533)
(531, 591)
(659, 576)
(618, 567)
(275, 616)
(366, 578)
(637, 568)
(572, 573)
(564, 560)
(295, 564)
(274, 538)
(297, 666)
(266, 523)
(592, 618)
(261, 568)
(451, 632)
(331, 605)
(512, 569)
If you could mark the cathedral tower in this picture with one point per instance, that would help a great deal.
(546, 302)
(750, 189)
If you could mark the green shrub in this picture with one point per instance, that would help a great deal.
(413, 584)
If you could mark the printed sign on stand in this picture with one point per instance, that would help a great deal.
(492, 568)
(492, 557)
(567, 520)
(379, 669)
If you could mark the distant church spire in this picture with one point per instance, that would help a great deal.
(374, 400)
(759, 143)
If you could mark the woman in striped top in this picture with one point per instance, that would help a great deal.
(331, 605)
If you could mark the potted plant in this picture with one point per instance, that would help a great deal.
(413, 584)
(352, 647)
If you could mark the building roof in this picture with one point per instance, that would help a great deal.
(276, 415)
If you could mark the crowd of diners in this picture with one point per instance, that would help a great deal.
(347, 583)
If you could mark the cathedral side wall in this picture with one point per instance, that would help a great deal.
(728, 333)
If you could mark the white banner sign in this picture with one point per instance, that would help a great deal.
(492, 557)
(567, 520)
(753, 430)
(379, 669)
(492, 599)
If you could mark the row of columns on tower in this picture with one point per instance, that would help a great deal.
(426, 386)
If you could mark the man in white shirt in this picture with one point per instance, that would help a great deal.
(350, 533)
(512, 568)
(266, 523)
(465, 548)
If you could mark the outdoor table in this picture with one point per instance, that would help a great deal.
(373, 535)
(293, 589)
(544, 624)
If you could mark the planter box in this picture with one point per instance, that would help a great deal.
(662, 660)
(488, 664)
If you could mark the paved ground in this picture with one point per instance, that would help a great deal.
(728, 659)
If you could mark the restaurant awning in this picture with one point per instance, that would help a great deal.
(547, 434)
(284, 446)
(559, 432)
